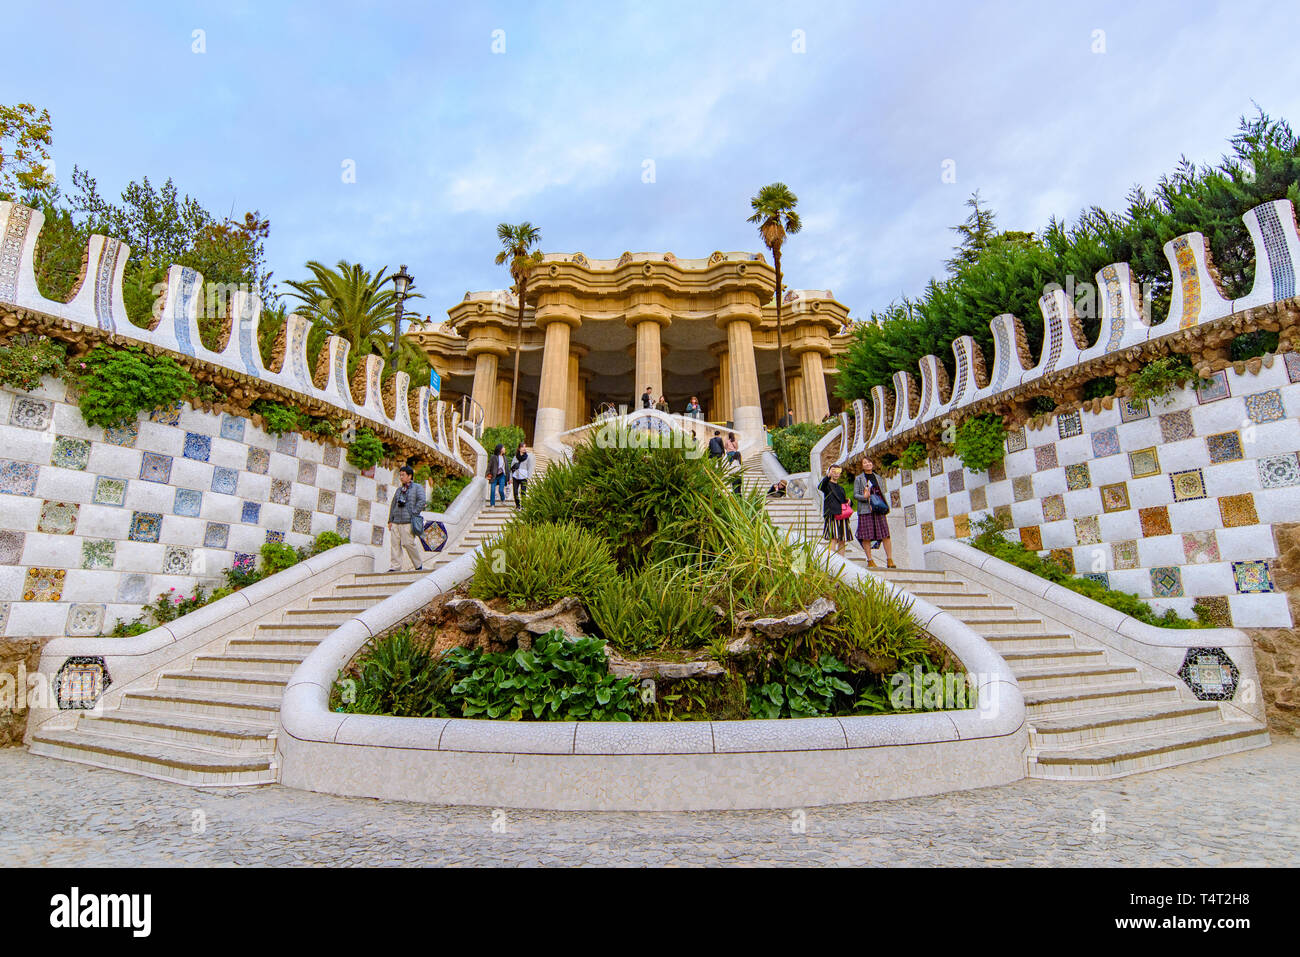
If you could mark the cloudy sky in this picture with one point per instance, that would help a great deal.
(458, 116)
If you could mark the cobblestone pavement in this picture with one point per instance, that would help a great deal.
(1243, 809)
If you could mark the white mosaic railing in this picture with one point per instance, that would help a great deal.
(98, 303)
(1196, 300)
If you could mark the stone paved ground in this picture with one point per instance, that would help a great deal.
(1243, 809)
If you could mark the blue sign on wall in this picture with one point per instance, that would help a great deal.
(435, 381)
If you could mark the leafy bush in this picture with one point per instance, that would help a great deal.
(118, 383)
(242, 572)
(276, 417)
(1159, 377)
(870, 620)
(366, 450)
(540, 564)
(394, 677)
(912, 457)
(653, 608)
(793, 444)
(508, 435)
(1041, 405)
(721, 698)
(801, 689)
(324, 542)
(276, 557)
(980, 442)
(26, 359)
(444, 492)
(1099, 387)
(555, 680)
(1248, 345)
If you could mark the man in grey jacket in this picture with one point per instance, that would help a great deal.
(405, 521)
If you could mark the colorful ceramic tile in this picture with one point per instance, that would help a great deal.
(895, 501)
(1017, 441)
(280, 489)
(936, 464)
(77, 684)
(1131, 411)
(44, 584)
(1252, 576)
(1022, 488)
(1144, 462)
(1292, 360)
(343, 526)
(1176, 426)
(1054, 508)
(133, 589)
(979, 498)
(11, 546)
(1200, 547)
(906, 477)
(1188, 486)
(1063, 558)
(58, 518)
(307, 473)
(259, 460)
(1238, 510)
(961, 525)
(940, 507)
(109, 491)
(1003, 514)
(1210, 673)
(1105, 442)
(1154, 520)
(224, 480)
(1087, 530)
(377, 533)
(1101, 578)
(1069, 424)
(188, 502)
(923, 490)
(1124, 554)
(1031, 537)
(28, 413)
(273, 536)
(287, 442)
(349, 483)
(956, 480)
(1265, 407)
(997, 472)
(1224, 447)
(370, 472)
(156, 468)
(125, 437)
(145, 526)
(1279, 471)
(98, 553)
(1045, 458)
(216, 535)
(232, 427)
(1166, 582)
(927, 533)
(1114, 498)
(198, 447)
(18, 478)
(332, 456)
(244, 560)
(167, 415)
(325, 502)
(70, 453)
(363, 508)
(301, 521)
(177, 560)
(250, 513)
(1216, 388)
(1216, 610)
(381, 493)
(1078, 477)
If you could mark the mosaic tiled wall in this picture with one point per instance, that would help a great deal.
(1173, 501)
(98, 522)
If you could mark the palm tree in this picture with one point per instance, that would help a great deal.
(354, 304)
(774, 213)
(516, 241)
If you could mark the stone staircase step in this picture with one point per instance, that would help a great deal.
(1048, 658)
(215, 704)
(955, 599)
(1075, 676)
(1012, 643)
(392, 578)
(1006, 626)
(290, 630)
(973, 613)
(1054, 702)
(1130, 756)
(237, 682)
(272, 646)
(189, 729)
(1078, 730)
(172, 762)
(329, 618)
(279, 663)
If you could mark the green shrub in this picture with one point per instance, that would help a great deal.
(118, 383)
(1041, 405)
(800, 689)
(871, 620)
(1248, 345)
(653, 608)
(26, 359)
(508, 435)
(540, 564)
(277, 418)
(793, 444)
(276, 557)
(444, 492)
(719, 698)
(1099, 387)
(980, 442)
(912, 457)
(555, 680)
(327, 540)
(127, 629)
(366, 450)
(1159, 377)
(242, 572)
(394, 677)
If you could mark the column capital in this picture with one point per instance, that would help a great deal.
(556, 312)
(576, 350)
(647, 312)
(742, 312)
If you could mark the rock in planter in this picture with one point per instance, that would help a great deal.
(793, 624)
(567, 614)
(621, 667)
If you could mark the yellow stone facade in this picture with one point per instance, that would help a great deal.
(596, 333)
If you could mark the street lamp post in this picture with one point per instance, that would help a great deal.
(401, 282)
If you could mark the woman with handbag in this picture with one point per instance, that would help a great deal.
(869, 493)
(836, 510)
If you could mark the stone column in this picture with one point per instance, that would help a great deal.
(722, 405)
(485, 383)
(556, 321)
(739, 320)
(817, 401)
(794, 386)
(574, 415)
(646, 320)
(501, 411)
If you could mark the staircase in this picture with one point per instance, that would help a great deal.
(213, 723)
(486, 526)
(1089, 717)
(805, 517)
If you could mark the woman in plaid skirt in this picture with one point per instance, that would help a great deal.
(834, 528)
(872, 526)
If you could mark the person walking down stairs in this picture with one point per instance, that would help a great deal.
(405, 521)
(521, 470)
(496, 473)
(873, 528)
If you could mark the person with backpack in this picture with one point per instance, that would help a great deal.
(521, 470)
(716, 449)
(405, 521)
(496, 473)
(836, 510)
(873, 529)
